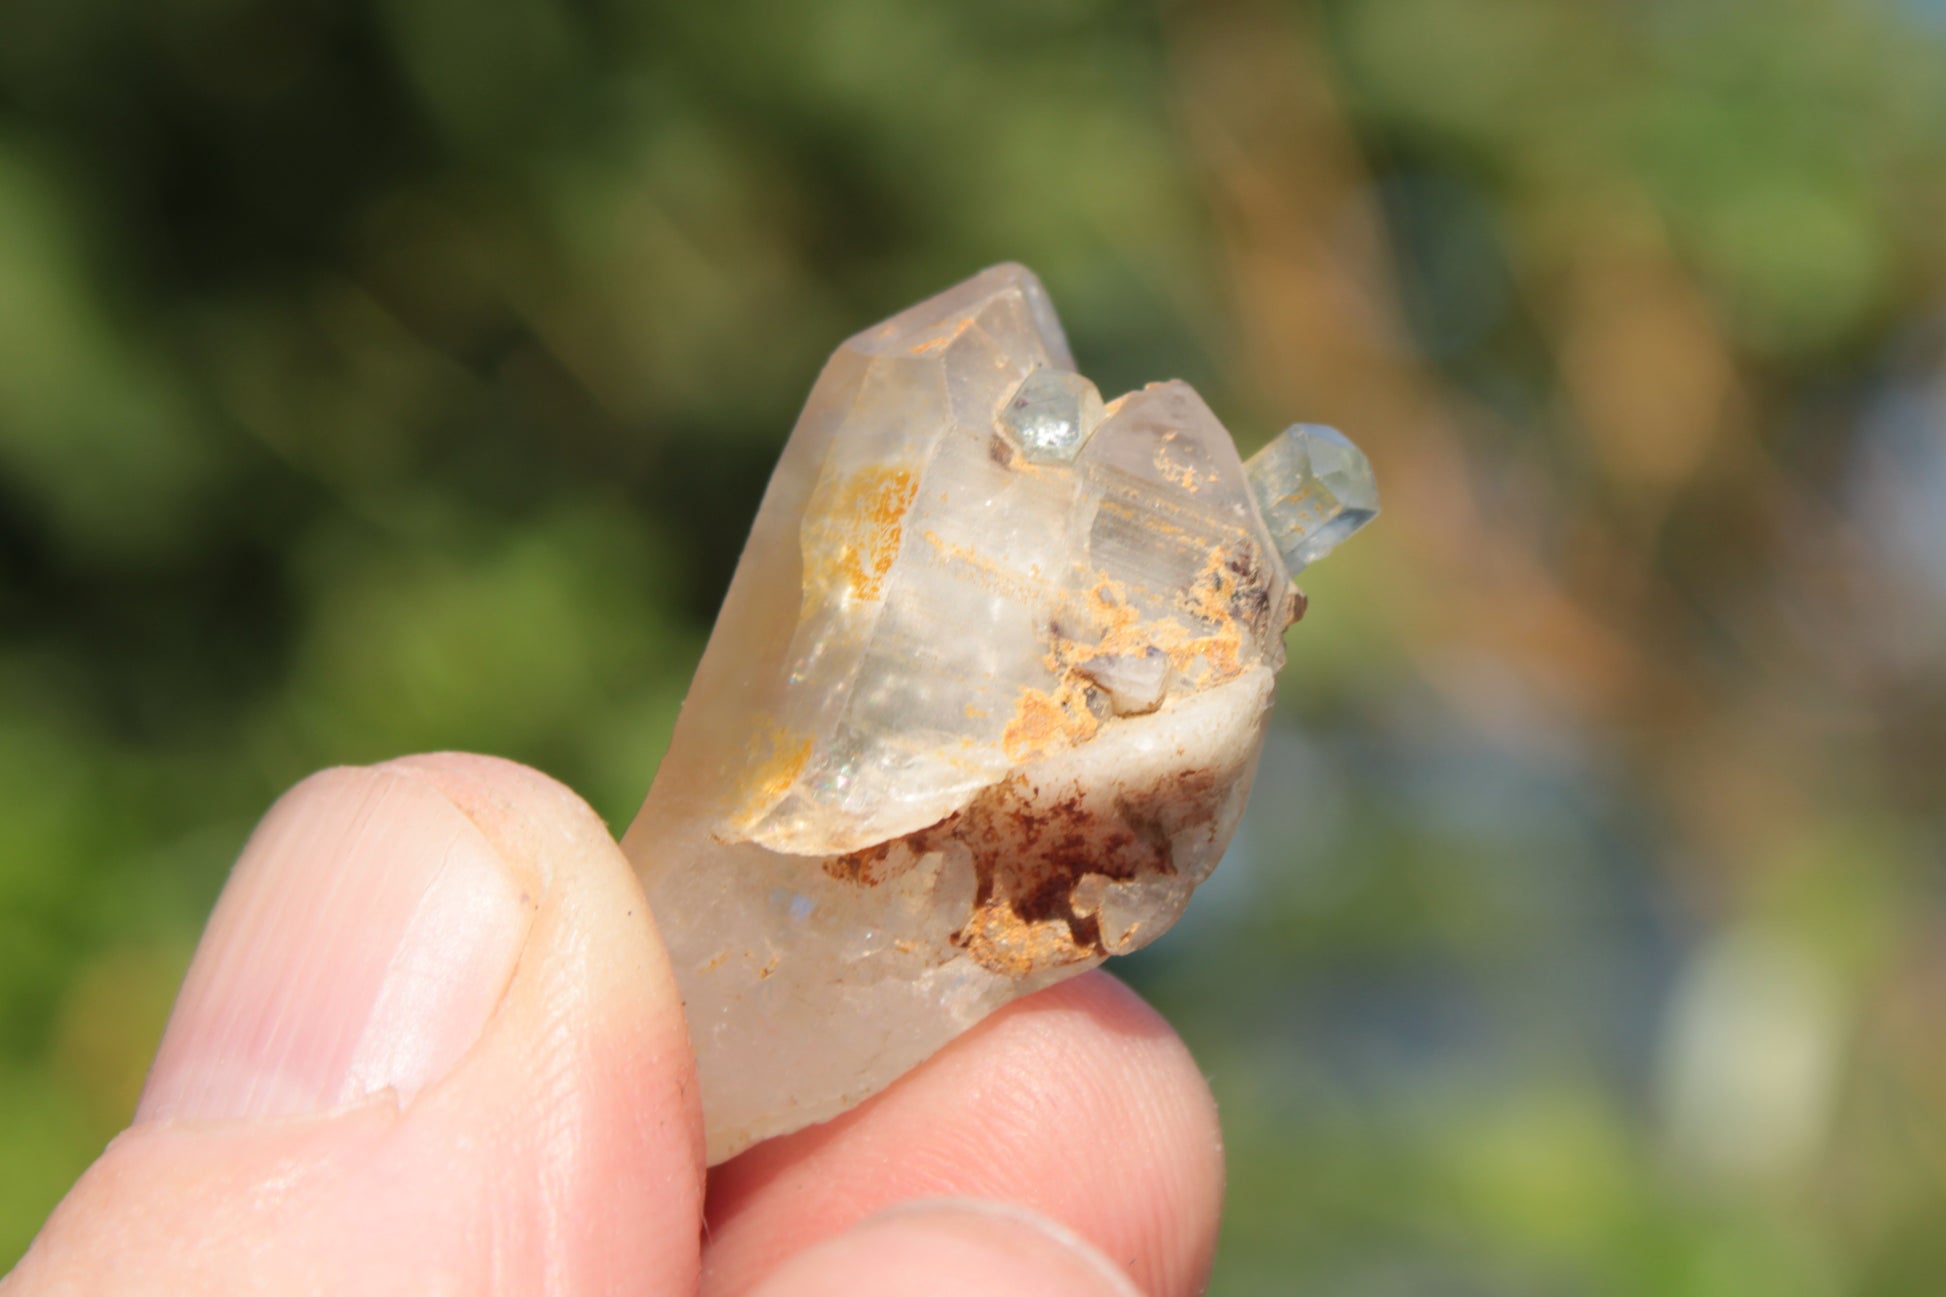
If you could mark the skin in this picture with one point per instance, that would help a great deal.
(516, 1111)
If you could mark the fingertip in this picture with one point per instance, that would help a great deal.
(362, 944)
(951, 1248)
(1079, 1102)
(527, 812)
(431, 1043)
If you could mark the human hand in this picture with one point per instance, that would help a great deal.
(430, 1043)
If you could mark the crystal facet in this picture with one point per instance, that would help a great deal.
(981, 708)
(1051, 414)
(1315, 489)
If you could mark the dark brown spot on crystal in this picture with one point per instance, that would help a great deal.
(1031, 849)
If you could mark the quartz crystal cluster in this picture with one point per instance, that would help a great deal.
(983, 703)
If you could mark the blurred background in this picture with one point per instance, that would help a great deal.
(384, 375)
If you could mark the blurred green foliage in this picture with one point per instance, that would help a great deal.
(402, 374)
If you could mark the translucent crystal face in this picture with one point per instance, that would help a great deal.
(1051, 415)
(981, 708)
(1315, 489)
(979, 530)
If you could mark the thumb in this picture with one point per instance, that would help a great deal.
(429, 1043)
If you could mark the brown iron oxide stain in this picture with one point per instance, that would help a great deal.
(1227, 608)
(1180, 474)
(1234, 594)
(858, 533)
(868, 866)
(1045, 721)
(776, 757)
(949, 333)
(1031, 848)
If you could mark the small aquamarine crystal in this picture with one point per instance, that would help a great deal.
(1315, 489)
(1052, 414)
(981, 708)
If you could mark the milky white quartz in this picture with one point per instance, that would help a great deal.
(981, 709)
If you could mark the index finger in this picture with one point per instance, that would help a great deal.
(1079, 1102)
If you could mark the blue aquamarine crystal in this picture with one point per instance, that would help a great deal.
(1052, 414)
(1314, 489)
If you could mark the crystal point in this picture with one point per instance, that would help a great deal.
(1315, 489)
(981, 708)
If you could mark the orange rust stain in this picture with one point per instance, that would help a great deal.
(867, 867)
(776, 758)
(933, 346)
(857, 537)
(1149, 515)
(990, 574)
(1205, 642)
(1205, 646)
(1175, 471)
(1042, 857)
(1046, 721)
(1109, 606)
(1002, 942)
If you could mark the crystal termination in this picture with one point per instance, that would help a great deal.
(982, 706)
